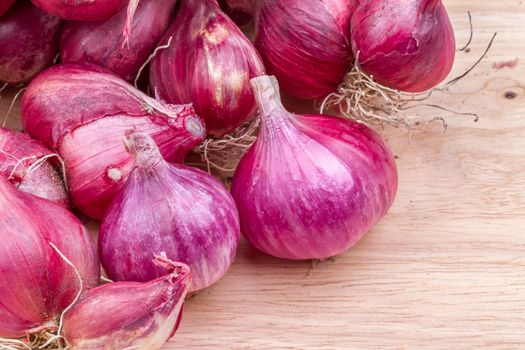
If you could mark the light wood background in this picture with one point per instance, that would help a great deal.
(444, 270)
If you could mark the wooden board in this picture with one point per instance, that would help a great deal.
(444, 269)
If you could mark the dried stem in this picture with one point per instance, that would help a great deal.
(225, 153)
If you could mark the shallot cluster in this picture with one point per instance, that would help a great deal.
(307, 186)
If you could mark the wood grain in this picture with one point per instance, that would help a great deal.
(444, 270)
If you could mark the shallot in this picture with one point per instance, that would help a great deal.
(181, 211)
(407, 45)
(37, 283)
(27, 164)
(309, 45)
(306, 44)
(311, 186)
(28, 42)
(129, 315)
(104, 44)
(83, 112)
(209, 63)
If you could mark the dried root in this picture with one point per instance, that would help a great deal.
(361, 98)
(225, 153)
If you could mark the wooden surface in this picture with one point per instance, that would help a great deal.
(444, 270)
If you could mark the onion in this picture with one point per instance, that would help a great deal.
(37, 284)
(5, 5)
(413, 54)
(306, 44)
(209, 63)
(102, 43)
(83, 111)
(28, 42)
(129, 315)
(312, 185)
(26, 163)
(81, 10)
(168, 208)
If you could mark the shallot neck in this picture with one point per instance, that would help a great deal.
(266, 92)
(145, 151)
(274, 117)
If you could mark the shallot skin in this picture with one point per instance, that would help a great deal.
(21, 163)
(28, 42)
(209, 63)
(312, 185)
(169, 208)
(5, 5)
(104, 44)
(129, 315)
(81, 10)
(83, 112)
(408, 45)
(37, 284)
(306, 44)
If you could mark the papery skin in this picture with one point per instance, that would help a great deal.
(81, 10)
(209, 63)
(18, 152)
(306, 44)
(102, 43)
(37, 284)
(413, 54)
(172, 208)
(124, 315)
(312, 185)
(83, 112)
(5, 5)
(28, 42)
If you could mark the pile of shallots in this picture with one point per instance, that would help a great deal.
(118, 93)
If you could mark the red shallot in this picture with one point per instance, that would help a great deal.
(28, 165)
(181, 211)
(37, 284)
(28, 42)
(407, 45)
(306, 44)
(129, 315)
(103, 43)
(311, 186)
(83, 111)
(209, 62)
